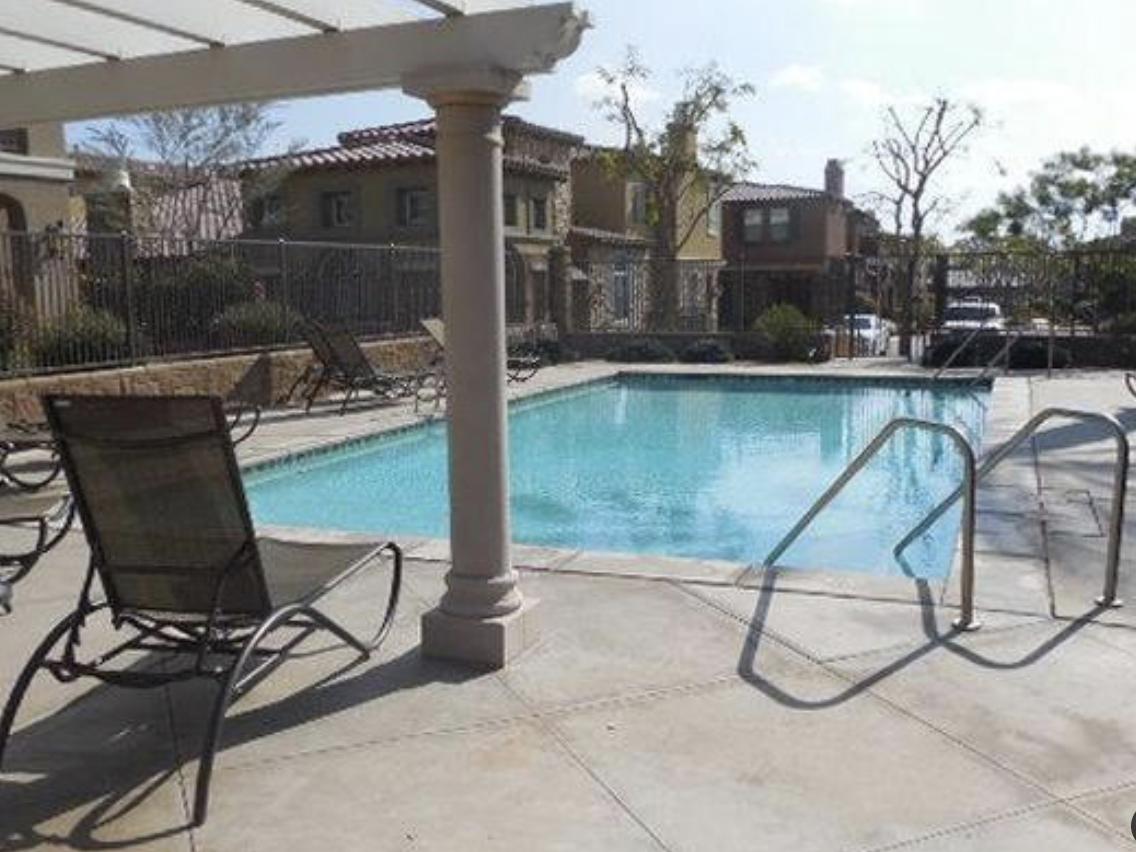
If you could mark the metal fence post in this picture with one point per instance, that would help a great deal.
(282, 263)
(127, 260)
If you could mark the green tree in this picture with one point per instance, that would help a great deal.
(685, 166)
(1075, 197)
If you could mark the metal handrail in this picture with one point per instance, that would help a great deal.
(966, 619)
(1011, 341)
(954, 355)
(1119, 488)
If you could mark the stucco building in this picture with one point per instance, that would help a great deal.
(378, 186)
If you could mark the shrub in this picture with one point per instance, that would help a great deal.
(706, 352)
(645, 351)
(1034, 355)
(260, 323)
(1124, 324)
(174, 299)
(791, 335)
(82, 336)
(12, 323)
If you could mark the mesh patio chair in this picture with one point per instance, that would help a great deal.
(33, 524)
(341, 364)
(19, 438)
(520, 364)
(184, 574)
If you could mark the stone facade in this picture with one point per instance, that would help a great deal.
(263, 378)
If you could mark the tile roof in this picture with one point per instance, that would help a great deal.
(410, 141)
(599, 235)
(772, 192)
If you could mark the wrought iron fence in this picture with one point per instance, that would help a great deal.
(82, 300)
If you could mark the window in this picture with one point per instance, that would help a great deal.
(621, 292)
(638, 204)
(266, 212)
(714, 214)
(14, 141)
(336, 210)
(780, 225)
(540, 214)
(414, 207)
(510, 210)
(754, 222)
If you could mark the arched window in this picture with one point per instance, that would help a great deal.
(12, 217)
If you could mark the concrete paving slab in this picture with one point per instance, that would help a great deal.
(1008, 534)
(1004, 582)
(609, 636)
(1077, 572)
(1055, 827)
(1041, 700)
(653, 567)
(737, 769)
(830, 628)
(1115, 808)
(509, 789)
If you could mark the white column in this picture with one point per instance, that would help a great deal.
(482, 617)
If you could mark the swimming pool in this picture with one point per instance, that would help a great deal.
(704, 467)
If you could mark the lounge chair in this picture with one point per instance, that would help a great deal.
(157, 487)
(520, 366)
(342, 365)
(43, 518)
(18, 438)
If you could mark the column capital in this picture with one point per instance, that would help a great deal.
(477, 84)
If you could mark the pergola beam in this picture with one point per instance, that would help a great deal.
(146, 23)
(526, 40)
(282, 11)
(59, 44)
(449, 8)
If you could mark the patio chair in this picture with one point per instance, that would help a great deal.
(19, 438)
(520, 366)
(42, 517)
(185, 576)
(341, 364)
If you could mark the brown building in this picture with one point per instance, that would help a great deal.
(379, 186)
(790, 244)
(611, 242)
(35, 178)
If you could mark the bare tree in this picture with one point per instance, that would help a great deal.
(184, 164)
(911, 153)
(685, 166)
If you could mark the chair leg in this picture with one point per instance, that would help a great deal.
(224, 698)
(19, 690)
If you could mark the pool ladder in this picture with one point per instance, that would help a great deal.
(972, 475)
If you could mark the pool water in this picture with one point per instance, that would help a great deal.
(706, 467)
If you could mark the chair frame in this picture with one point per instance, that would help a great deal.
(519, 367)
(235, 637)
(331, 371)
(50, 530)
(14, 442)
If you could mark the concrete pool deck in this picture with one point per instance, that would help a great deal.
(670, 704)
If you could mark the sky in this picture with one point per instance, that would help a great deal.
(1050, 75)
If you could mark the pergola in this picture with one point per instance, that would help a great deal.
(65, 60)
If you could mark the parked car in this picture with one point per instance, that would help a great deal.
(972, 314)
(871, 333)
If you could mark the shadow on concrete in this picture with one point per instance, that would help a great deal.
(936, 640)
(108, 752)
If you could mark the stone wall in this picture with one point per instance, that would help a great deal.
(264, 378)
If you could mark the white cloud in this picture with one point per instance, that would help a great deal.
(864, 92)
(802, 78)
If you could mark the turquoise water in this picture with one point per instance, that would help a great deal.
(697, 467)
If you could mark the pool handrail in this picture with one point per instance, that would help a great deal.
(966, 619)
(1119, 488)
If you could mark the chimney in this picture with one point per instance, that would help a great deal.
(834, 178)
(685, 137)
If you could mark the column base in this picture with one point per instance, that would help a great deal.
(484, 641)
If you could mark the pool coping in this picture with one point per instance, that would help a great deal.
(1007, 396)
